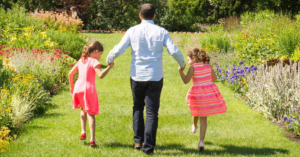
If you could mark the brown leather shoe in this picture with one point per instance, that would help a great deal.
(138, 145)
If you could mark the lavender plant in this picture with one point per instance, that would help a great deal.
(293, 121)
(235, 76)
(274, 90)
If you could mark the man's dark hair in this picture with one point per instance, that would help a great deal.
(147, 11)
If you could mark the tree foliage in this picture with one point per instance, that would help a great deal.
(185, 15)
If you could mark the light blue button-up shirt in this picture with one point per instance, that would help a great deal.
(146, 41)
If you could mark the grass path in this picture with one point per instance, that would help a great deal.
(240, 132)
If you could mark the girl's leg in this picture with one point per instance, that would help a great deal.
(92, 124)
(195, 121)
(203, 126)
(83, 121)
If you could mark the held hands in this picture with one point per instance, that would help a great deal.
(181, 68)
(111, 64)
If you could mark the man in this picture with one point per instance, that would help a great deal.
(146, 41)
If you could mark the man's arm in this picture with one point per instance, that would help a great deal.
(173, 50)
(119, 49)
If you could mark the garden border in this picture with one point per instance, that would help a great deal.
(122, 31)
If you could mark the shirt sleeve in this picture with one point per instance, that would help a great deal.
(173, 50)
(120, 48)
(95, 63)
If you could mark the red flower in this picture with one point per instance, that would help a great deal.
(66, 56)
(67, 52)
(58, 56)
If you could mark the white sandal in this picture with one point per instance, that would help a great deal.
(201, 146)
(194, 129)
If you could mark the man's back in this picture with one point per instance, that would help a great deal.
(146, 41)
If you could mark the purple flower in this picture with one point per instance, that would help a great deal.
(295, 118)
(54, 70)
(241, 62)
(282, 122)
(44, 86)
(252, 66)
(255, 68)
(39, 80)
(285, 118)
(290, 125)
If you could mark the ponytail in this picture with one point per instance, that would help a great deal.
(85, 51)
(199, 54)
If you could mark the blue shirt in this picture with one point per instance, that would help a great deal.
(146, 41)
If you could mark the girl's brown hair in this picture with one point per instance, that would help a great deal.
(87, 49)
(199, 55)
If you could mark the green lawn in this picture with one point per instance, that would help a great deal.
(239, 132)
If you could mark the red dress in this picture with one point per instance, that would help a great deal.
(84, 93)
(204, 97)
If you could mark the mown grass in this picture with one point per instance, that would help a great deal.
(240, 132)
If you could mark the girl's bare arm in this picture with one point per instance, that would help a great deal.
(213, 75)
(102, 74)
(71, 77)
(187, 78)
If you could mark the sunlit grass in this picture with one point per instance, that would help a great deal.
(240, 132)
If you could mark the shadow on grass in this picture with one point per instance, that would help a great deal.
(227, 149)
(51, 115)
(103, 66)
(88, 144)
(118, 145)
(232, 150)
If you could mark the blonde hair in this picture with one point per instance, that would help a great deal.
(88, 49)
(199, 54)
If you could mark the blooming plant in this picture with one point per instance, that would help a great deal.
(5, 108)
(49, 69)
(292, 121)
(274, 90)
(235, 76)
(256, 48)
(59, 21)
(4, 138)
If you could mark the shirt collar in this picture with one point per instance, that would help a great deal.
(148, 21)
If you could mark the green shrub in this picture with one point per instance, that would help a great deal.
(70, 41)
(216, 41)
(256, 49)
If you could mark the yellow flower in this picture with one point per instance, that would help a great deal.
(51, 44)
(27, 35)
(7, 110)
(15, 79)
(44, 35)
(47, 43)
(13, 39)
(1, 109)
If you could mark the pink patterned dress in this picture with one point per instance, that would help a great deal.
(85, 94)
(204, 97)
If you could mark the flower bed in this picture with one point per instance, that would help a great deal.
(28, 79)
